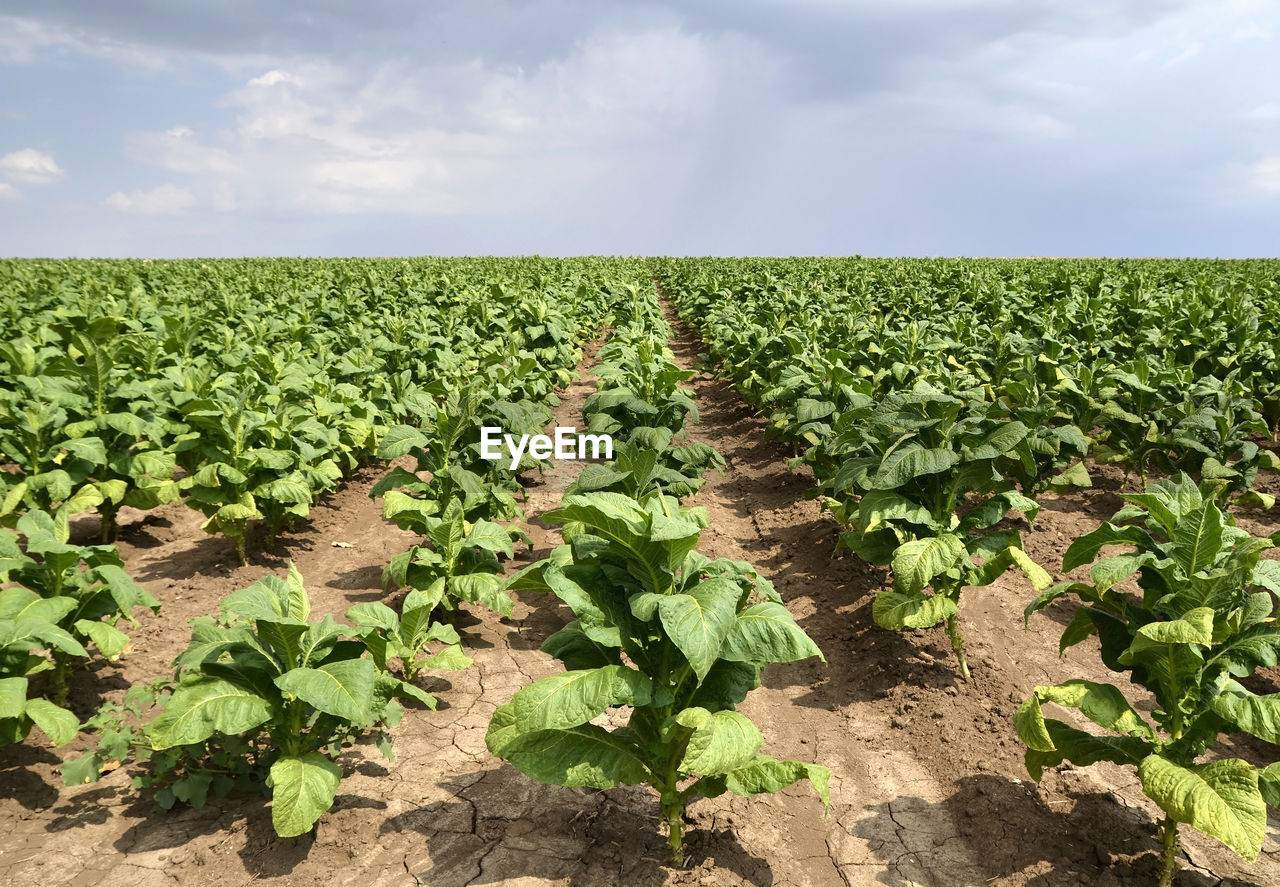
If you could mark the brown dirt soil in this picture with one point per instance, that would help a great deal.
(928, 786)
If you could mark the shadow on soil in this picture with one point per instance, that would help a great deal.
(1006, 829)
(20, 780)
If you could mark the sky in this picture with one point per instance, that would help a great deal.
(151, 128)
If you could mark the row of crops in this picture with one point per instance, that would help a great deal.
(936, 400)
(282, 406)
(247, 390)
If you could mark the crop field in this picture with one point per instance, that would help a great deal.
(903, 572)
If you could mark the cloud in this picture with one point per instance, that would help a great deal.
(9, 193)
(164, 200)
(700, 125)
(31, 167)
(1264, 175)
(462, 137)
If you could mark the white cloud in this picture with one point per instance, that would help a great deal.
(30, 167)
(1264, 175)
(8, 192)
(164, 200)
(468, 137)
(275, 78)
(1265, 112)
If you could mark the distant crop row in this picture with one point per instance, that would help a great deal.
(247, 389)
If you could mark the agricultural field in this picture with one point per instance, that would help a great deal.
(908, 572)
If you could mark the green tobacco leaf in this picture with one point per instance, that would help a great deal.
(721, 742)
(905, 464)
(270, 599)
(575, 697)
(1197, 538)
(1256, 715)
(698, 622)
(894, 610)
(1103, 704)
(342, 689)
(585, 755)
(1110, 571)
(109, 640)
(1086, 548)
(13, 697)
(878, 507)
(299, 606)
(658, 544)
(302, 790)
(483, 588)
(1269, 784)
(60, 725)
(1000, 441)
(578, 651)
(399, 440)
(767, 632)
(373, 614)
(1195, 627)
(1220, 798)
(1036, 574)
(23, 605)
(1075, 476)
(210, 705)
(765, 774)
(917, 562)
(1081, 748)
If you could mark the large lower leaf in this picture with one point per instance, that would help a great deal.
(585, 755)
(1220, 798)
(210, 705)
(13, 697)
(765, 774)
(915, 563)
(1257, 715)
(1065, 743)
(302, 789)
(60, 725)
(1103, 704)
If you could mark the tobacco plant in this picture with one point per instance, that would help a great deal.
(264, 698)
(458, 562)
(30, 635)
(85, 590)
(919, 489)
(446, 448)
(1202, 622)
(648, 461)
(664, 646)
(408, 634)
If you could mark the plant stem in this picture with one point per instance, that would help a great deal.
(957, 645)
(672, 812)
(1168, 851)
(61, 671)
(108, 512)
